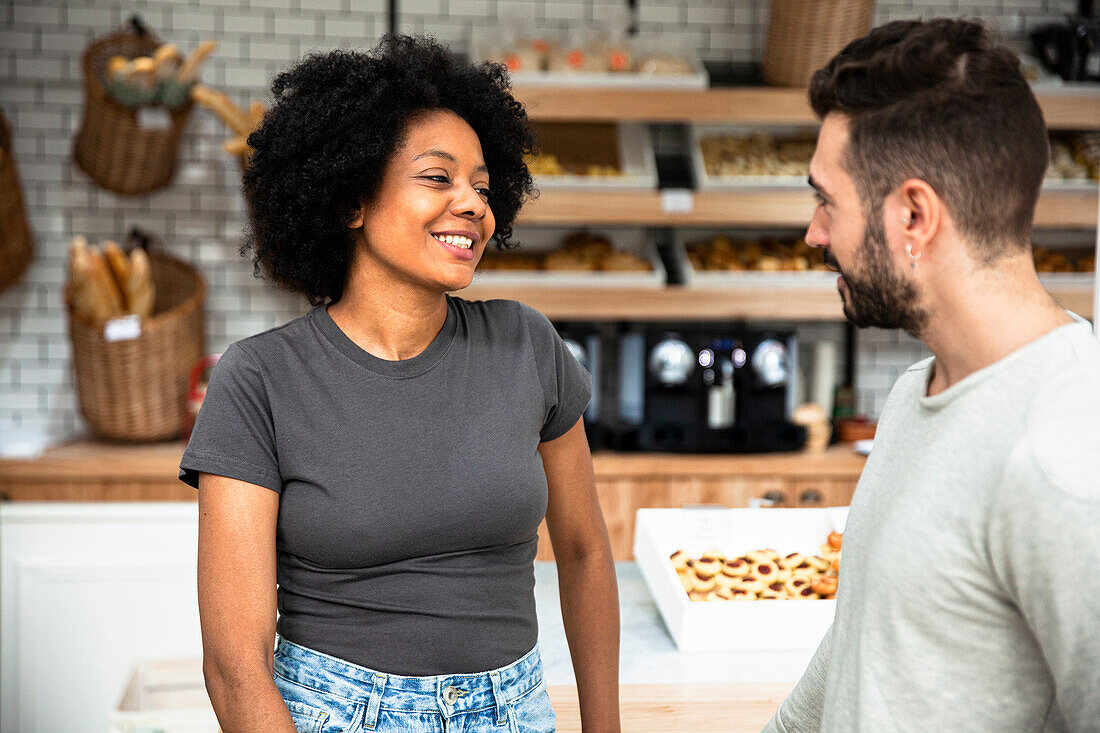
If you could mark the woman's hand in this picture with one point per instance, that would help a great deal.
(586, 577)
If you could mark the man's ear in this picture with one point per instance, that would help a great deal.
(915, 212)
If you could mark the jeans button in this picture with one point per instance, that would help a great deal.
(450, 694)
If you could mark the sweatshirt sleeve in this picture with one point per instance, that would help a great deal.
(802, 710)
(1044, 544)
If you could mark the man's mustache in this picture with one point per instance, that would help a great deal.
(830, 261)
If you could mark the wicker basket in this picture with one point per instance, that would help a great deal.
(136, 390)
(112, 147)
(16, 245)
(804, 34)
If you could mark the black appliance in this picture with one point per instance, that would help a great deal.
(707, 389)
(585, 342)
(1071, 49)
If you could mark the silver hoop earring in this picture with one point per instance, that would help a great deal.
(913, 258)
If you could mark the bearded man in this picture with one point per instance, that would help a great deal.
(970, 597)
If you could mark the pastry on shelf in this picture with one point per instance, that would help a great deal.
(580, 251)
(760, 154)
(721, 253)
(1064, 260)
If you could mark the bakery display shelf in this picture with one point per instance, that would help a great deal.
(1065, 107)
(781, 206)
(1073, 291)
(812, 300)
(629, 145)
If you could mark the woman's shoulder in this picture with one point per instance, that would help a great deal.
(265, 345)
(501, 313)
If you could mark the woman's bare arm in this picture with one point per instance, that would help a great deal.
(586, 577)
(237, 603)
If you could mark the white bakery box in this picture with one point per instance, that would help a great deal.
(698, 626)
(166, 696)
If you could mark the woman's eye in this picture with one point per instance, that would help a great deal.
(484, 192)
(438, 179)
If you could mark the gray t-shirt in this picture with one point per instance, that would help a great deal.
(411, 491)
(969, 596)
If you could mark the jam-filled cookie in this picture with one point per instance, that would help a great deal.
(765, 570)
(708, 567)
(705, 585)
(679, 560)
(752, 584)
(738, 567)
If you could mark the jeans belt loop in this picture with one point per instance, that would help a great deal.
(375, 702)
(498, 697)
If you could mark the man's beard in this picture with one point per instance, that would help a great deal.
(877, 295)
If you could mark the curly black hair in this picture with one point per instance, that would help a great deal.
(337, 120)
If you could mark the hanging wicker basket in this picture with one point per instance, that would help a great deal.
(127, 151)
(16, 245)
(136, 389)
(804, 34)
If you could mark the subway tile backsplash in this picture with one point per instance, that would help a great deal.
(200, 215)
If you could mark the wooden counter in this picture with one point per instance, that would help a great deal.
(730, 707)
(90, 470)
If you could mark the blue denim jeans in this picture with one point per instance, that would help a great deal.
(325, 695)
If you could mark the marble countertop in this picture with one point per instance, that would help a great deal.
(647, 653)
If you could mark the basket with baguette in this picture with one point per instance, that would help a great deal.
(137, 101)
(136, 324)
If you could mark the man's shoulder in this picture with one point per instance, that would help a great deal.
(1062, 430)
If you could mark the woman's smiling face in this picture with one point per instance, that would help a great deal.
(430, 221)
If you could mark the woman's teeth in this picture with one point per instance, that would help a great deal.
(456, 240)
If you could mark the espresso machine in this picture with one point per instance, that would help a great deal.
(1071, 49)
(585, 342)
(707, 389)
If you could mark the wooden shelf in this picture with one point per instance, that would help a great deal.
(670, 303)
(732, 303)
(1070, 107)
(93, 470)
(754, 207)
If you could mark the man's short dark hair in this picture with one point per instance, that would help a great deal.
(943, 102)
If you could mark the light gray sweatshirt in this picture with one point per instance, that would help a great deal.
(969, 598)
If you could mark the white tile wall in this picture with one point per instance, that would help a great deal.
(200, 215)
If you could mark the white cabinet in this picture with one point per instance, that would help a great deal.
(86, 591)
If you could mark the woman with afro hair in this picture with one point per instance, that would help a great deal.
(372, 475)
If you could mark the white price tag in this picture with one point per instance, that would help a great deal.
(123, 328)
(677, 201)
(154, 118)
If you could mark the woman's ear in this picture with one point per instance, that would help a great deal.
(356, 220)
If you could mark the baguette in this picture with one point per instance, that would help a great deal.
(190, 65)
(140, 292)
(223, 107)
(91, 292)
(167, 60)
(119, 264)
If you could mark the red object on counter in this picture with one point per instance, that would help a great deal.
(196, 391)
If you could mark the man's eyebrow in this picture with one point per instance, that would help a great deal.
(436, 153)
(817, 186)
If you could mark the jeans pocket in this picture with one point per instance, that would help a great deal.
(533, 712)
(307, 719)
